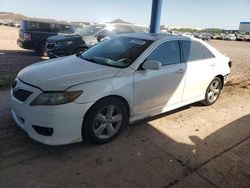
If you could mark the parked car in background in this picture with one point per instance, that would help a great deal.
(175, 32)
(217, 37)
(205, 36)
(91, 96)
(34, 33)
(196, 35)
(187, 34)
(229, 37)
(242, 37)
(63, 45)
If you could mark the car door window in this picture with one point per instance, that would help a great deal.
(192, 50)
(207, 53)
(167, 53)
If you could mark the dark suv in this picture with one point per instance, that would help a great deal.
(34, 33)
(62, 45)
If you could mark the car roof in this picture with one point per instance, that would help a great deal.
(154, 36)
(49, 21)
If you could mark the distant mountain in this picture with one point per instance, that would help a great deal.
(11, 16)
(119, 21)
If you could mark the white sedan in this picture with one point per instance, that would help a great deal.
(93, 95)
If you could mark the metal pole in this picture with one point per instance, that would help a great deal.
(155, 16)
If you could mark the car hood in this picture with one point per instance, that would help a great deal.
(63, 37)
(61, 73)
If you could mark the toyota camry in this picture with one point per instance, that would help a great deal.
(91, 96)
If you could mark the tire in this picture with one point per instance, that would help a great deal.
(79, 50)
(41, 49)
(213, 91)
(104, 121)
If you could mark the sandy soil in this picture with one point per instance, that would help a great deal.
(194, 146)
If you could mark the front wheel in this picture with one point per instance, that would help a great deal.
(213, 91)
(105, 120)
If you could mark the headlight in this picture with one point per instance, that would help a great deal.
(55, 98)
(64, 43)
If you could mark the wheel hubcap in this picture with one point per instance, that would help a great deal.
(107, 121)
(214, 91)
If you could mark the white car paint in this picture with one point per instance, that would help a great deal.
(147, 92)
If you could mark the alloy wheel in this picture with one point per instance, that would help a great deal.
(107, 121)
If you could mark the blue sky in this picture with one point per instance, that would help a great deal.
(193, 13)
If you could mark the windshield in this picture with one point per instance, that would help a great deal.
(116, 52)
(90, 30)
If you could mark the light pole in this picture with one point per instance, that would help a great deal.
(155, 16)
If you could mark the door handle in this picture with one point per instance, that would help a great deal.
(212, 64)
(180, 71)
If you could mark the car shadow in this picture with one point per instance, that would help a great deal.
(139, 150)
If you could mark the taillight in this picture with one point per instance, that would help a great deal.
(26, 36)
(230, 64)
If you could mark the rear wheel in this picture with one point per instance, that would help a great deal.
(105, 120)
(213, 91)
(41, 49)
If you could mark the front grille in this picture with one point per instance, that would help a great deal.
(50, 45)
(21, 94)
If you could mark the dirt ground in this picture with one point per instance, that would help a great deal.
(194, 146)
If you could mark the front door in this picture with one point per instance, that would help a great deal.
(156, 89)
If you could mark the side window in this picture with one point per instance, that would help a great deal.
(192, 50)
(64, 28)
(53, 27)
(167, 53)
(33, 26)
(207, 53)
(44, 27)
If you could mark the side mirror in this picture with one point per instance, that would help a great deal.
(151, 65)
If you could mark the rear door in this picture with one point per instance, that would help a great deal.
(200, 68)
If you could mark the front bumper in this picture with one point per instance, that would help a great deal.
(65, 120)
(59, 51)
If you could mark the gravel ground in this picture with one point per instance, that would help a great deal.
(194, 146)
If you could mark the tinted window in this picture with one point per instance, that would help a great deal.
(117, 52)
(192, 51)
(34, 26)
(167, 53)
(207, 53)
(65, 28)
